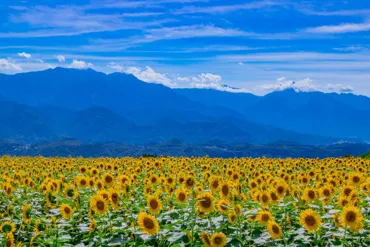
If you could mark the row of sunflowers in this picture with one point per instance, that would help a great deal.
(170, 201)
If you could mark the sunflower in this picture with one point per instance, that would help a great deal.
(82, 169)
(108, 179)
(70, 191)
(310, 220)
(337, 221)
(343, 201)
(66, 211)
(82, 182)
(218, 240)
(92, 226)
(223, 206)
(214, 183)
(114, 199)
(352, 217)
(189, 182)
(104, 194)
(9, 240)
(347, 190)
(154, 204)
(325, 192)
(205, 239)
(274, 229)
(225, 189)
(205, 202)
(7, 227)
(232, 217)
(263, 217)
(238, 210)
(148, 223)
(8, 188)
(99, 204)
(40, 227)
(181, 196)
(124, 180)
(309, 194)
(264, 198)
(280, 189)
(355, 178)
(26, 212)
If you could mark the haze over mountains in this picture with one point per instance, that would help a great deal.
(94, 107)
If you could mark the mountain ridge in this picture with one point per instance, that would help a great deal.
(95, 107)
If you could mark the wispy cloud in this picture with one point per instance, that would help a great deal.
(61, 58)
(227, 8)
(170, 33)
(305, 85)
(79, 64)
(341, 28)
(73, 20)
(148, 74)
(125, 4)
(352, 12)
(25, 55)
(8, 66)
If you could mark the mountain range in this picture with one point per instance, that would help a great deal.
(94, 107)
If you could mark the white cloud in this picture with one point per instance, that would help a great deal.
(351, 48)
(79, 64)
(61, 58)
(342, 28)
(208, 81)
(40, 60)
(148, 74)
(240, 63)
(25, 55)
(305, 85)
(203, 80)
(7, 66)
(116, 67)
(340, 88)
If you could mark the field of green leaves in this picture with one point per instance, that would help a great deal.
(184, 202)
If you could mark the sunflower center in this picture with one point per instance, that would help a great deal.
(280, 189)
(218, 240)
(114, 197)
(108, 179)
(311, 194)
(7, 228)
(351, 216)
(182, 196)
(206, 202)
(70, 193)
(265, 198)
(190, 182)
(153, 204)
(67, 210)
(225, 190)
(148, 223)
(326, 192)
(310, 220)
(215, 184)
(347, 191)
(275, 229)
(356, 179)
(100, 205)
(274, 196)
(265, 217)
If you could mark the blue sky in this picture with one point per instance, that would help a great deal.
(237, 46)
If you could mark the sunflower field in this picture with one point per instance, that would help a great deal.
(169, 201)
